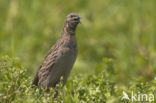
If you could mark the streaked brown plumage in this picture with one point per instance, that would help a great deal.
(61, 57)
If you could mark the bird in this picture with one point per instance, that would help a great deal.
(61, 57)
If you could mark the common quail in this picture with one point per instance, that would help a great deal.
(61, 57)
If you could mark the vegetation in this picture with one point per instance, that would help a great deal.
(117, 49)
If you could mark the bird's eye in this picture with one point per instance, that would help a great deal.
(71, 16)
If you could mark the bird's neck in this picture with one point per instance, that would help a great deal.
(68, 30)
(68, 35)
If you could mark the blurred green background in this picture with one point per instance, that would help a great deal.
(118, 36)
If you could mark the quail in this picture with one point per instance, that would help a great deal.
(61, 57)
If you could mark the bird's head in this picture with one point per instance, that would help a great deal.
(72, 20)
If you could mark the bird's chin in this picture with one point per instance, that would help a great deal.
(76, 21)
(73, 24)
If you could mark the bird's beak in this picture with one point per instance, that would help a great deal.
(79, 19)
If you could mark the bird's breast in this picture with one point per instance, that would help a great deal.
(64, 63)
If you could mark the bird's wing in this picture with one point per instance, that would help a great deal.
(35, 80)
(46, 64)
